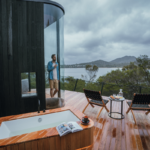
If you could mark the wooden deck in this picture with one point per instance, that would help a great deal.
(110, 134)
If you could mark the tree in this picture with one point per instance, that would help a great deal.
(131, 78)
(69, 83)
(131, 66)
(143, 63)
(24, 75)
(91, 71)
(133, 74)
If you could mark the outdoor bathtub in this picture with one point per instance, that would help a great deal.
(32, 124)
(38, 131)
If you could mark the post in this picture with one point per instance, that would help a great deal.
(102, 87)
(75, 84)
(58, 52)
(140, 89)
(29, 82)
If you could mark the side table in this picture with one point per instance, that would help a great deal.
(109, 114)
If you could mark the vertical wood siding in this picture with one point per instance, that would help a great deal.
(27, 55)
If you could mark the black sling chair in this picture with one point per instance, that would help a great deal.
(139, 102)
(94, 98)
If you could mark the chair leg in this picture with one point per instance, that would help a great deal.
(86, 148)
(147, 112)
(128, 110)
(89, 102)
(106, 108)
(85, 108)
(92, 105)
(133, 116)
(99, 112)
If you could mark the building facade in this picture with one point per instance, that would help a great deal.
(30, 31)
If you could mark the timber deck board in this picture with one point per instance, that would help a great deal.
(111, 134)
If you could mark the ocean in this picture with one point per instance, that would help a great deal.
(77, 72)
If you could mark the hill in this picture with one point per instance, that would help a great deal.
(118, 62)
(125, 59)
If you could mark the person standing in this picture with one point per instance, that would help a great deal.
(53, 70)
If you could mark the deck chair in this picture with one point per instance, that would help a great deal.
(94, 98)
(139, 102)
(86, 148)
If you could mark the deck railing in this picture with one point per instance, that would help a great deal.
(107, 89)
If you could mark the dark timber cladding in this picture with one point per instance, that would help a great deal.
(47, 2)
(26, 50)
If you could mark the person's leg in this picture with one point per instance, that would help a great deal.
(51, 88)
(56, 90)
(51, 93)
(56, 87)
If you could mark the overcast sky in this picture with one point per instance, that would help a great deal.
(105, 29)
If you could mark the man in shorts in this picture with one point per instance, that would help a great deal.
(53, 70)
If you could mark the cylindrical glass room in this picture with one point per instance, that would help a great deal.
(54, 41)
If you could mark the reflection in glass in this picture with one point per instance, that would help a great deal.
(50, 42)
(61, 38)
(28, 84)
(53, 41)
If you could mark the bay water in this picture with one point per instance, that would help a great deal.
(77, 72)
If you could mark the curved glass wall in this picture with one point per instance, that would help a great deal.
(54, 42)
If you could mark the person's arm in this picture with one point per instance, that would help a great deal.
(49, 67)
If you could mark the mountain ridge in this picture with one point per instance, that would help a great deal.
(118, 62)
(124, 59)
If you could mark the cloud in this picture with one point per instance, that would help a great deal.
(105, 29)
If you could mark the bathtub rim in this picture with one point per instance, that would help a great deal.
(33, 135)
